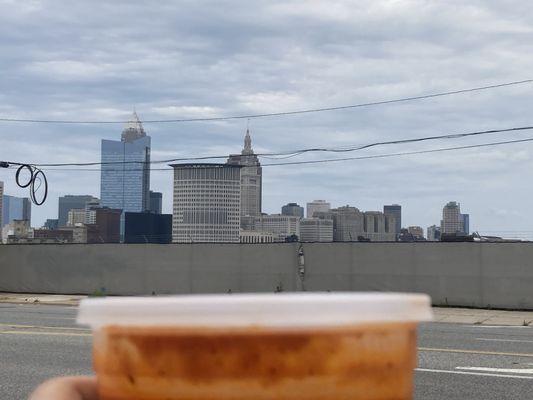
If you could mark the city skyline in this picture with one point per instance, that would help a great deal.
(394, 53)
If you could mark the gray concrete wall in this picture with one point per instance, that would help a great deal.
(498, 275)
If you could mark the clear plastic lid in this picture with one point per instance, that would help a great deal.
(266, 310)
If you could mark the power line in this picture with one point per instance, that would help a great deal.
(293, 152)
(276, 114)
(329, 160)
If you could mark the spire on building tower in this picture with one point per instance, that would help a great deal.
(247, 144)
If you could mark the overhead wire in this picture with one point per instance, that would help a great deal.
(274, 114)
(293, 152)
(329, 160)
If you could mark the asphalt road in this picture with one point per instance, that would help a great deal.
(456, 361)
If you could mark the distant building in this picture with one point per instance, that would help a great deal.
(16, 231)
(317, 205)
(292, 209)
(375, 227)
(125, 176)
(53, 236)
(76, 216)
(316, 230)
(433, 233)
(69, 202)
(466, 223)
(90, 211)
(394, 210)
(207, 201)
(107, 226)
(452, 220)
(15, 208)
(147, 227)
(51, 224)
(156, 202)
(416, 231)
(348, 223)
(251, 180)
(255, 237)
(280, 226)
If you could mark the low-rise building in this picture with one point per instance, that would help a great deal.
(256, 237)
(316, 230)
(281, 226)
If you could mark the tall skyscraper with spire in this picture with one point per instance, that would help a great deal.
(125, 176)
(251, 181)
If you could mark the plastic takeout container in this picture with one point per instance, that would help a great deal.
(312, 346)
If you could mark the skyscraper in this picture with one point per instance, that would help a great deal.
(292, 209)
(156, 202)
(466, 223)
(15, 208)
(207, 201)
(452, 220)
(317, 206)
(70, 202)
(125, 176)
(251, 179)
(348, 224)
(394, 210)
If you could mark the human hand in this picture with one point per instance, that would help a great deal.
(67, 388)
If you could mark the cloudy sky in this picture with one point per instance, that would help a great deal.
(97, 60)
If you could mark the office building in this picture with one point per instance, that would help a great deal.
(282, 227)
(90, 211)
(452, 220)
(394, 210)
(348, 223)
(15, 208)
(51, 224)
(147, 227)
(76, 216)
(317, 205)
(206, 205)
(466, 223)
(69, 202)
(125, 176)
(433, 233)
(416, 231)
(292, 209)
(375, 227)
(156, 202)
(251, 180)
(316, 230)
(254, 237)
(107, 226)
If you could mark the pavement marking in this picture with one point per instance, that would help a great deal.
(501, 326)
(45, 327)
(491, 353)
(44, 333)
(444, 371)
(498, 370)
(504, 340)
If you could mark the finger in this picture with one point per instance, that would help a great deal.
(67, 388)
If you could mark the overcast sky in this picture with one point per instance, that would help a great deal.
(99, 59)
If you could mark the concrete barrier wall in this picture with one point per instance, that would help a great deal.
(498, 275)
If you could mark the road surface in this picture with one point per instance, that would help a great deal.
(456, 361)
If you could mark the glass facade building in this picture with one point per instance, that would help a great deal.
(70, 202)
(125, 176)
(15, 208)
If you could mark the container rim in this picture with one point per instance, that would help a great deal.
(282, 310)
